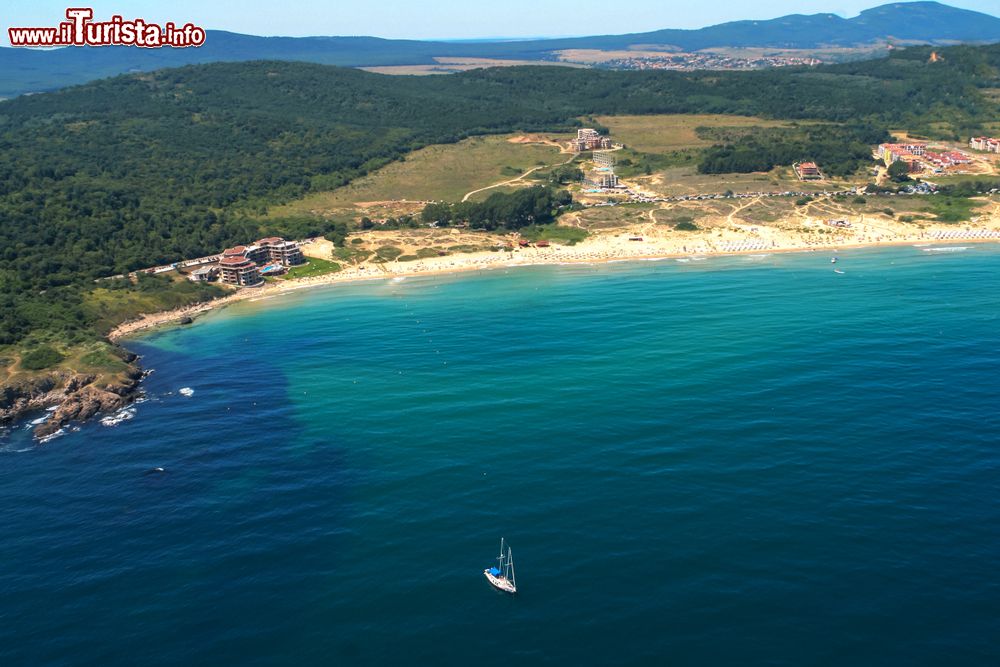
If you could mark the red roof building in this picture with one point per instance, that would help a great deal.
(277, 249)
(240, 271)
(808, 171)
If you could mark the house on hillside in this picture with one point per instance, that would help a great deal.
(988, 144)
(808, 171)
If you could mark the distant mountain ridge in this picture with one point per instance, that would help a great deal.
(906, 23)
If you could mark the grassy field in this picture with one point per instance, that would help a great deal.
(963, 178)
(673, 132)
(441, 172)
(505, 189)
(685, 181)
(95, 357)
(953, 209)
(558, 233)
(314, 267)
(609, 217)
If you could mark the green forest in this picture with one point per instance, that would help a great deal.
(537, 205)
(145, 169)
(841, 149)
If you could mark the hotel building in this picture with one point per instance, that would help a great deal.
(239, 270)
(241, 265)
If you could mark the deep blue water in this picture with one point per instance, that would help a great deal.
(748, 461)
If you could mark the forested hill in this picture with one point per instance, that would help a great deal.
(150, 168)
(24, 71)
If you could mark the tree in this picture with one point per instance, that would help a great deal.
(438, 212)
(566, 173)
(899, 171)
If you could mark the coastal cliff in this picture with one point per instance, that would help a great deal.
(75, 396)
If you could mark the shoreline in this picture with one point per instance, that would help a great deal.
(583, 253)
(605, 249)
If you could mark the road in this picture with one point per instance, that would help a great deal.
(515, 180)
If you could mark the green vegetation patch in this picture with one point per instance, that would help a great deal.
(352, 255)
(681, 223)
(840, 150)
(664, 133)
(388, 253)
(40, 358)
(120, 300)
(501, 210)
(631, 163)
(444, 171)
(952, 209)
(102, 357)
(423, 253)
(556, 233)
(313, 267)
(466, 248)
(562, 175)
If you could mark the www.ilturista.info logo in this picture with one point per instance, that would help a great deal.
(80, 30)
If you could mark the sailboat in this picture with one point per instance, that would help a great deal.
(502, 577)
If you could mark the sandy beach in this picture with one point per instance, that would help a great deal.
(641, 243)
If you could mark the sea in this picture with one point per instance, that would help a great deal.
(746, 460)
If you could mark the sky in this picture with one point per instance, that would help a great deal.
(441, 19)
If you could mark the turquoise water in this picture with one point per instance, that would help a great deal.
(746, 460)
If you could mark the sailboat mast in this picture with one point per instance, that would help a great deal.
(510, 564)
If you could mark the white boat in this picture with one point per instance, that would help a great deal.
(833, 260)
(502, 577)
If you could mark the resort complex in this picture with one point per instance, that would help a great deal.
(247, 266)
(988, 144)
(603, 177)
(918, 157)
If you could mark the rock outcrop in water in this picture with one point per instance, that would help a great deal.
(27, 395)
(79, 396)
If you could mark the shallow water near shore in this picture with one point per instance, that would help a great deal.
(742, 460)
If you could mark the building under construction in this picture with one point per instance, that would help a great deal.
(589, 139)
(604, 159)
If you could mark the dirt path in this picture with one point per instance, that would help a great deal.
(748, 203)
(571, 220)
(521, 177)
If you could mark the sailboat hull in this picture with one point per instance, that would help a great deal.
(500, 583)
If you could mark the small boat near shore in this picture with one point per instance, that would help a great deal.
(838, 271)
(502, 577)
